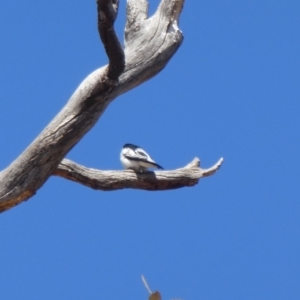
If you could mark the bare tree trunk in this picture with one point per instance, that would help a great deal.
(149, 45)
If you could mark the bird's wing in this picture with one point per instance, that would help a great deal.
(143, 155)
(138, 155)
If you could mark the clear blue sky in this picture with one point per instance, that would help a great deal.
(231, 90)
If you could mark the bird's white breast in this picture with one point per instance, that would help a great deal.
(128, 164)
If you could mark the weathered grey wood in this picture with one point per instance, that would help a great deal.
(149, 45)
(136, 11)
(151, 181)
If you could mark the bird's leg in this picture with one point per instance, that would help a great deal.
(142, 170)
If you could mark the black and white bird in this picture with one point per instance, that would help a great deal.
(137, 159)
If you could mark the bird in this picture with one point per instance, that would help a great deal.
(135, 158)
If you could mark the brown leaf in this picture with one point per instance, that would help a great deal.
(155, 296)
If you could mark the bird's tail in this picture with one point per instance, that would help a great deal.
(158, 166)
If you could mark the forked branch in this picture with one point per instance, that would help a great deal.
(149, 45)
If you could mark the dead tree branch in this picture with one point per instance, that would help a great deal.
(107, 13)
(149, 45)
(151, 181)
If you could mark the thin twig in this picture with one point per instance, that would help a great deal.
(146, 285)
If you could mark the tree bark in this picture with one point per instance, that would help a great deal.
(149, 45)
(151, 181)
